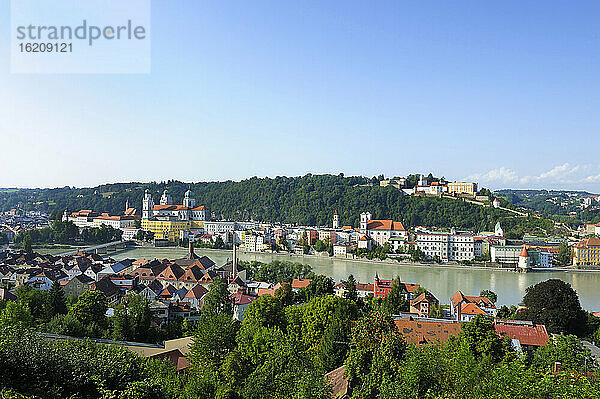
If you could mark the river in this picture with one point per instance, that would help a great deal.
(443, 282)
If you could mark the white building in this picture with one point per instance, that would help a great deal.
(380, 230)
(166, 209)
(340, 250)
(447, 246)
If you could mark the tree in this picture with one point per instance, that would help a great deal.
(480, 337)
(16, 315)
(556, 305)
(377, 350)
(564, 256)
(219, 244)
(90, 312)
(396, 302)
(491, 295)
(566, 349)
(27, 243)
(319, 285)
(57, 303)
(284, 294)
(319, 246)
(213, 340)
(351, 293)
(218, 300)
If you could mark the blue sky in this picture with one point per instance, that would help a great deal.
(506, 93)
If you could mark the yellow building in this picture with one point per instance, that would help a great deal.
(170, 229)
(462, 188)
(587, 252)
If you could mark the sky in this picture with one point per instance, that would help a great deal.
(505, 93)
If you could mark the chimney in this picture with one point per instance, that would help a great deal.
(191, 249)
(234, 262)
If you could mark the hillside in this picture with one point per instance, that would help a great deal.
(561, 205)
(306, 200)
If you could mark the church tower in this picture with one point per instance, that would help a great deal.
(147, 205)
(336, 220)
(364, 219)
(166, 198)
(188, 200)
(498, 230)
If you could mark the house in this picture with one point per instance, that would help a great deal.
(340, 250)
(299, 283)
(587, 252)
(421, 332)
(93, 270)
(365, 242)
(423, 303)
(465, 308)
(44, 279)
(236, 285)
(148, 271)
(115, 268)
(77, 285)
(524, 335)
(180, 294)
(362, 290)
(381, 288)
(195, 295)
(150, 291)
(170, 275)
(190, 277)
(241, 302)
(159, 310)
(108, 288)
(167, 293)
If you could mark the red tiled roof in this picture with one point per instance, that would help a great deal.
(471, 309)
(242, 299)
(300, 283)
(422, 332)
(524, 252)
(534, 335)
(384, 224)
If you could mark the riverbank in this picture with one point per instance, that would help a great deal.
(180, 251)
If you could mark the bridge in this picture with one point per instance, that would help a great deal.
(101, 248)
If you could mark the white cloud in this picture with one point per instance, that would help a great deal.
(560, 174)
(502, 174)
(592, 179)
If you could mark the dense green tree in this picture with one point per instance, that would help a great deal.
(480, 337)
(491, 295)
(57, 303)
(27, 243)
(564, 256)
(218, 300)
(377, 350)
(284, 294)
(351, 293)
(319, 246)
(90, 312)
(17, 315)
(319, 285)
(555, 304)
(568, 351)
(396, 302)
(214, 339)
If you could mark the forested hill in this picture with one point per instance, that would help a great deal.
(306, 200)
